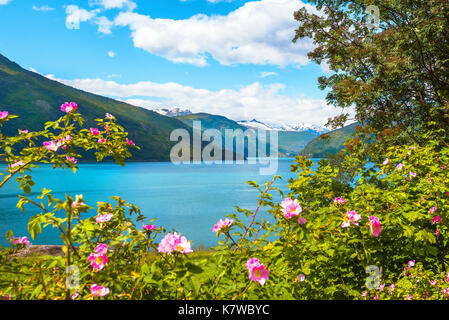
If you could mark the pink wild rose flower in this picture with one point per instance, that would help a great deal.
(99, 291)
(290, 208)
(21, 240)
(340, 200)
(148, 226)
(71, 159)
(130, 142)
(392, 287)
(52, 146)
(257, 271)
(4, 114)
(222, 225)
(375, 225)
(98, 261)
(351, 217)
(77, 204)
(174, 243)
(101, 248)
(17, 164)
(446, 292)
(103, 217)
(95, 131)
(251, 263)
(65, 141)
(69, 107)
(67, 138)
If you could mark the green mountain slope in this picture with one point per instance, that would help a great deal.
(210, 121)
(319, 147)
(292, 142)
(37, 99)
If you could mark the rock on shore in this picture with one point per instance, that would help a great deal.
(40, 250)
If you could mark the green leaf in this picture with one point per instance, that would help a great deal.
(193, 268)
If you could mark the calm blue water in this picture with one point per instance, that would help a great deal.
(188, 198)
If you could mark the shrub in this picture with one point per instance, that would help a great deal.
(373, 213)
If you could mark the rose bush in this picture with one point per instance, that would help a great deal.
(378, 209)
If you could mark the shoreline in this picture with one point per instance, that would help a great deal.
(39, 250)
(2, 162)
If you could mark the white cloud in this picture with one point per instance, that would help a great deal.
(104, 24)
(111, 54)
(265, 74)
(2, 2)
(259, 32)
(114, 4)
(76, 15)
(42, 8)
(263, 102)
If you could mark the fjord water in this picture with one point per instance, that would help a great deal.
(188, 198)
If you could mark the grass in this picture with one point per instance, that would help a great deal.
(8, 275)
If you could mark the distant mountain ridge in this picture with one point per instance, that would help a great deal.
(210, 121)
(320, 148)
(281, 126)
(251, 124)
(290, 143)
(36, 99)
(173, 112)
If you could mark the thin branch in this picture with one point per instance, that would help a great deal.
(255, 213)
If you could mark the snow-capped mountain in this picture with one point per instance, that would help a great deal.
(309, 127)
(280, 126)
(173, 112)
(254, 124)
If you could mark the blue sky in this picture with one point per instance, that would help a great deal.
(233, 58)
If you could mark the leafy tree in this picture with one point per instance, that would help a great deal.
(396, 75)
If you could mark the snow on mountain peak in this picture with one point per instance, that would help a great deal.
(281, 126)
(173, 112)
